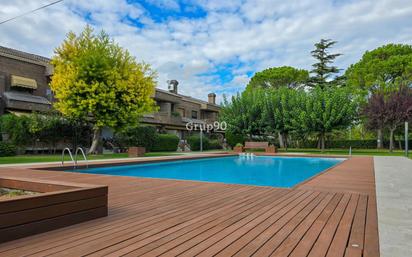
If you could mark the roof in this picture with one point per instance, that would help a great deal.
(23, 97)
(187, 98)
(10, 52)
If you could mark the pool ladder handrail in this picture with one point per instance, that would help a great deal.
(247, 155)
(74, 160)
(84, 156)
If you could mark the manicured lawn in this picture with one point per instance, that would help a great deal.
(384, 152)
(57, 157)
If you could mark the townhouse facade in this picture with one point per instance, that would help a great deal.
(24, 80)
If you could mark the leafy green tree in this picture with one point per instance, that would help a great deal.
(279, 108)
(243, 114)
(323, 70)
(323, 110)
(384, 69)
(16, 129)
(279, 77)
(97, 80)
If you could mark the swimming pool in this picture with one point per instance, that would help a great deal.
(257, 170)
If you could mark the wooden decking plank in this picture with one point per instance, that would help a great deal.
(210, 230)
(280, 210)
(261, 245)
(148, 218)
(217, 247)
(286, 247)
(325, 238)
(159, 246)
(153, 217)
(304, 246)
(233, 229)
(181, 202)
(371, 247)
(277, 237)
(157, 225)
(340, 240)
(135, 243)
(273, 228)
(352, 252)
(153, 206)
(357, 235)
(117, 235)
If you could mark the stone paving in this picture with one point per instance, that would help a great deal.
(394, 198)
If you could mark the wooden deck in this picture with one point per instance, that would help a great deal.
(334, 214)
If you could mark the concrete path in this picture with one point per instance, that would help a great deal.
(394, 198)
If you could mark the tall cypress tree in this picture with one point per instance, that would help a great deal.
(323, 70)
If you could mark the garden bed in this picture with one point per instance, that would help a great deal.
(30, 206)
(8, 193)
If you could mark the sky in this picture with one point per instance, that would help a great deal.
(214, 46)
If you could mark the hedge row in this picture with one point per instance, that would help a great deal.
(207, 144)
(360, 144)
(7, 149)
(165, 142)
(147, 137)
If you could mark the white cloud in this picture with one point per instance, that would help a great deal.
(241, 36)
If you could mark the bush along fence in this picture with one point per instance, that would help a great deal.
(207, 144)
(356, 144)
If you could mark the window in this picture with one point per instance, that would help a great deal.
(194, 114)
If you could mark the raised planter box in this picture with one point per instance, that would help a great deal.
(136, 151)
(58, 204)
(238, 149)
(270, 149)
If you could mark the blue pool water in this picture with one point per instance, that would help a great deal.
(258, 170)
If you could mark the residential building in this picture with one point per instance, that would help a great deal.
(177, 110)
(24, 80)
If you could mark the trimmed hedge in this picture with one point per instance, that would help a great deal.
(139, 136)
(233, 139)
(165, 142)
(194, 142)
(359, 144)
(7, 149)
(214, 144)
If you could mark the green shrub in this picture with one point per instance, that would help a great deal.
(345, 144)
(165, 142)
(214, 144)
(17, 128)
(194, 142)
(145, 136)
(233, 139)
(239, 145)
(7, 149)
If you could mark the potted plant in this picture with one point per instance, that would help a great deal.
(238, 148)
(136, 151)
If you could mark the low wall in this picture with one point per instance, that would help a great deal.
(56, 205)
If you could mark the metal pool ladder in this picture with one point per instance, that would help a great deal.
(74, 160)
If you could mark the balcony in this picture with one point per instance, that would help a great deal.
(163, 118)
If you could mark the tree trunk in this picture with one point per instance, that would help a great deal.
(391, 146)
(380, 139)
(97, 132)
(322, 141)
(285, 140)
(281, 144)
(400, 143)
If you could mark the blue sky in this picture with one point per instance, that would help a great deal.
(215, 46)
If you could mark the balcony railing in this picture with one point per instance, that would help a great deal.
(169, 119)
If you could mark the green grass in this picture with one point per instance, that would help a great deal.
(57, 157)
(376, 152)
